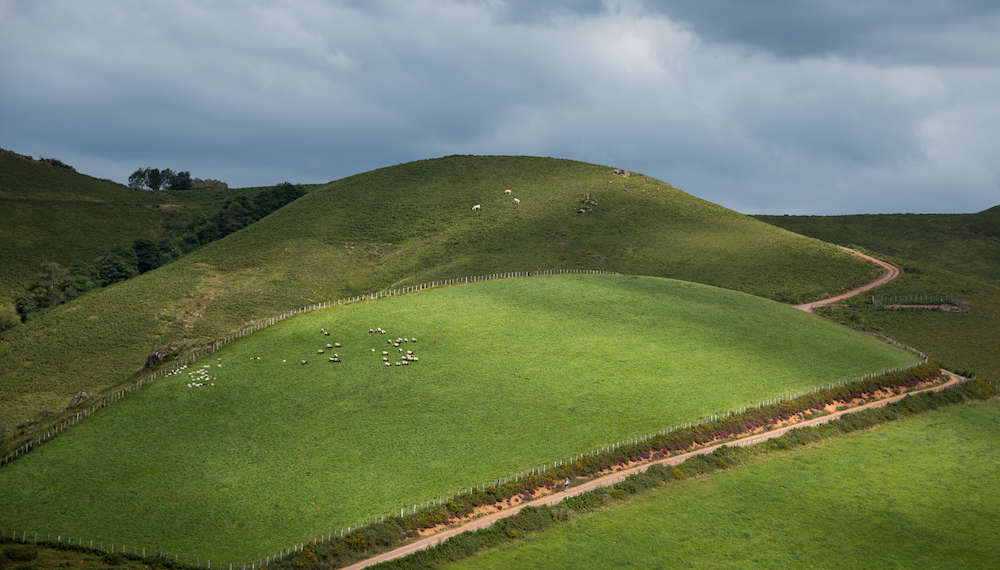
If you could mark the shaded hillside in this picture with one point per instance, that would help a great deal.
(952, 255)
(407, 224)
(963, 243)
(56, 214)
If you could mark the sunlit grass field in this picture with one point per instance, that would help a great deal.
(919, 493)
(406, 224)
(511, 374)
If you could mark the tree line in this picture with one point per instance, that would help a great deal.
(155, 179)
(56, 284)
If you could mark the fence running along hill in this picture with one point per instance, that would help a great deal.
(67, 421)
(539, 469)
(919, 302)
(141, 553)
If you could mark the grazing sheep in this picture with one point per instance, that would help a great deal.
(326, 333)
(304, 361)
(319, 351)
(414, 339)
(332, 359)
(477, 207)
(385, 352)
(517, 201)
(371, 331)
(388, 363)
(336, 344)
(328, 345)
(385, 359)
(409, 352)
(399, 363)
(406, 363)
(506, 192)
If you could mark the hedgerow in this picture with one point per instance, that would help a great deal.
(382, 536)
(470, 543)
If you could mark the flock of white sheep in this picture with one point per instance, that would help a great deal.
(507, 192)
(405, 357)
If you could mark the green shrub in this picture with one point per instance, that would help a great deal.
(20, 553)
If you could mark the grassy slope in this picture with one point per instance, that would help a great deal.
(963, 243)
(923, 492)
(49, 213)
(407, 224)
(926, 247)
(512, 373)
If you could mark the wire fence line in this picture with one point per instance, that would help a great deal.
(192, 355)
(543, 468)
(537, 470)
(896, 302)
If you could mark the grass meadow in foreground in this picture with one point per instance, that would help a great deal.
(922, 492)
(511, 374)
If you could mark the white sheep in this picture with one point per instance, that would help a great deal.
(477, 207)
(506, 192)
(517, 201)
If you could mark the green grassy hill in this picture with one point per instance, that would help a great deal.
(511, 374)
(49, 213)
(962, 243)
(956, 255)
(407, 224)
(922, 492)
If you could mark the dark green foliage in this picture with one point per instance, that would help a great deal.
(180, 181)
(53, 286)
(118, 265)
(57, 285)
(17, 553)
(57, 163)
(154, 179)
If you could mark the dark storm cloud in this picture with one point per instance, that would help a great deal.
(882, 107)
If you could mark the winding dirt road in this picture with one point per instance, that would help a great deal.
(891, 272)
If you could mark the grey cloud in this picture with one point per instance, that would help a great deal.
(309, 91)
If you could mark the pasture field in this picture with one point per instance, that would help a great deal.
(511, 374)
(967, 342)
(920, 492)
(955, 255)
(405, 225)
(961, 243)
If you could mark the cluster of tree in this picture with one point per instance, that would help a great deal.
(57, 284)
(154, 179)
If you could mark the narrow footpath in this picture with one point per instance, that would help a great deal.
(891, 272)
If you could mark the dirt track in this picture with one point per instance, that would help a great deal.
(607, 480)
(891, 272)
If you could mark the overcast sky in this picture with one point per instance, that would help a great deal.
(823, 107)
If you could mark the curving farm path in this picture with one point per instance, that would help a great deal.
(891, 272)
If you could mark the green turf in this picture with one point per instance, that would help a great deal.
(967, 342)
(923, 492)
(962, 243)
(512, 373)
(956, 255)
(407, 224)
